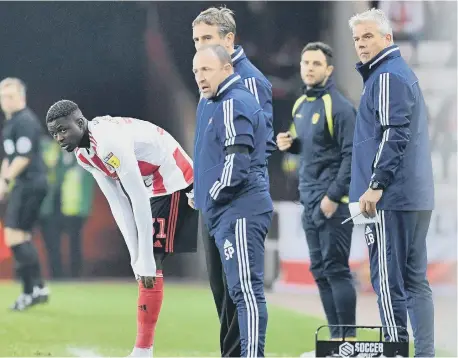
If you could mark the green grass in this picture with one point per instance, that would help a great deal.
(102, 317)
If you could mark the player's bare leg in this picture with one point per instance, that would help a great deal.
(150, 296)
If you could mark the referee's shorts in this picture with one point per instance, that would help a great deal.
(24, 202)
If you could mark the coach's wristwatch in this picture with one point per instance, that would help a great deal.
(375, 185)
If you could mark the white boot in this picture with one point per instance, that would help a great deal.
(141, 352)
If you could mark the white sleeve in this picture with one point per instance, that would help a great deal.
(120, 208)
(85, 166)
(122, 212)
(121, 156)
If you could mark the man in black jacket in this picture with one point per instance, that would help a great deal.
(322, 134)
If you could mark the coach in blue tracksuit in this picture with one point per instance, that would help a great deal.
(392, 177)
(230, 187)
(216, 26)
(324, 122)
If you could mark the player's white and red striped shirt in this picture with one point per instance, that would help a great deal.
(164, 165)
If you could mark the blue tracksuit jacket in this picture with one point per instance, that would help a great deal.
(391, 141)
(229, 185)
(260, 87)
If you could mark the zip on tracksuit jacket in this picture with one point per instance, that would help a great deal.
(229, 185)
(391, 142)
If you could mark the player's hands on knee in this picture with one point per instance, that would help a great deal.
(284, 140)
(147, 272)
(148, 281)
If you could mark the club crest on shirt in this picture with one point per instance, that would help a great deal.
(315, 118)
(112, 160)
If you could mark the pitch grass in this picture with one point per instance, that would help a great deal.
(100, 317)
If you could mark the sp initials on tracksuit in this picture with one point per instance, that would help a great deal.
(230, 189)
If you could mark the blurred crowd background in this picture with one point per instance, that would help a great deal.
(135, 59)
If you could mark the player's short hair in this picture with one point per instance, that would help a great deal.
(219, 51)
(325, 48)
(375, 15)
(62, 108)
(221, 17)
(13, 81)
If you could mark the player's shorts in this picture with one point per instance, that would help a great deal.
(175, 223)
(24, 202)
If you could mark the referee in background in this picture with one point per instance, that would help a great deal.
(23, 169)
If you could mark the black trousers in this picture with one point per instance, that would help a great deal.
(227, 310)
(329, 244)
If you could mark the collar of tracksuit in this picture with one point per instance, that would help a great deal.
(365, 69)
(226, 85)
(318, 91)
(238, 55)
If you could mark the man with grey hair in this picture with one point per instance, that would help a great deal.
(24, 170)
(231, 190)
(217, 26)
(392, 179)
